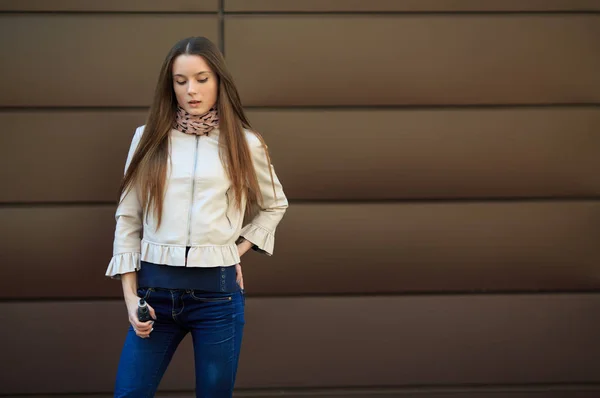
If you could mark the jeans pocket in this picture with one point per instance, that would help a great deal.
(240, 287)
(209, 297)
(144, 292)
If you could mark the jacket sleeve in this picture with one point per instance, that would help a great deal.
(261, 230)
(127, 241)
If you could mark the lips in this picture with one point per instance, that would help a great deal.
(194, 102)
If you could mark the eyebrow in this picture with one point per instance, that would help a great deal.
(199, 73)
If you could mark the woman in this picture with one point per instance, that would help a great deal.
(194, 172)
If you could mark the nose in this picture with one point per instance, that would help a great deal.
(191, 88)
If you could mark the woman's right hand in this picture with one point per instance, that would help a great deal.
(142, 329)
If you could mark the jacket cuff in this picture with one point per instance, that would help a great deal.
(262, 239)
(122, 264)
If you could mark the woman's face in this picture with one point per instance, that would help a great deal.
(194, 83)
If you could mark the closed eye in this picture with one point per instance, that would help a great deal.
(181, 83)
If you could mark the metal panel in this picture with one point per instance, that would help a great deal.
(92, 59)
(358, 341)
(424, 154)
(408, 5)
(414, 60)
(345, 154)
(336, 248)
(110, 5)
(69, 156)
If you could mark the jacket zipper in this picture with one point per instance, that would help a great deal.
(192, 197)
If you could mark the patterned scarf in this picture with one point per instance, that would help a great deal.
(199, 125)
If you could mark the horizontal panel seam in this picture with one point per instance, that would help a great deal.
(83, 12)
(383, 391)
(565, 199)
(352, 295)
(125, 108)
(410, 13)
(579, 11)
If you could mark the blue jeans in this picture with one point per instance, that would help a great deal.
(216, 322)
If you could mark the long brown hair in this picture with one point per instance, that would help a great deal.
(148, 166)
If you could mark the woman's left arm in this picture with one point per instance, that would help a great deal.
(260, 233)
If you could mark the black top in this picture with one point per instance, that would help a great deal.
(209, 279)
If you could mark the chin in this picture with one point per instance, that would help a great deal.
(196, 111)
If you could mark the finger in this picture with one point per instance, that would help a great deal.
(143, 326)
(143, 330)
(143, 334)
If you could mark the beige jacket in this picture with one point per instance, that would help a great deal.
(198, 210)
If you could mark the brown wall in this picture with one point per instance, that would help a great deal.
(441, 160)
